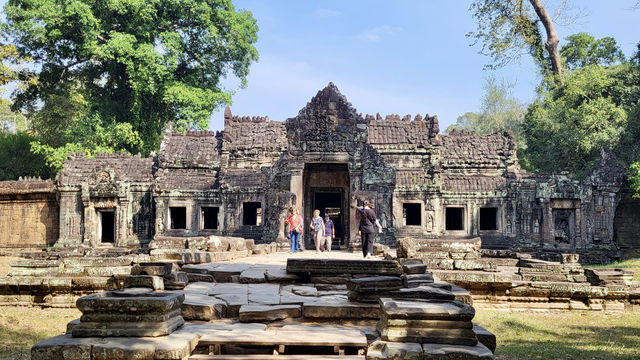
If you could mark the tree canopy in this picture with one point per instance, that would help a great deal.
(499, 111)
(111, 74)
(507, 28)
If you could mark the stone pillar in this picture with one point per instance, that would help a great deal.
(123, 227)
(70, 218)
(297, 184)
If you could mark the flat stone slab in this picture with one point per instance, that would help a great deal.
(63, 347)
(253, 275)
(152, 268)
(226, 272)
(383, 350)
(429, 335)
(203, 307)
(266, 294)
(200, 268)
(426, 309)
(259, 313)
(229, 288)
(414, 268)
(280, 274)
(126, 305)
(127, 329)
(339, 309)
(339, 266)
(455, 352)
(144, 281)
(422, 292)
(375, 283)
(199, 277)
(485, 337)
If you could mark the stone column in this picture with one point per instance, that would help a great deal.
(123, 227)
(297, 183)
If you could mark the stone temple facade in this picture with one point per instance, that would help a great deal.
(241, 181)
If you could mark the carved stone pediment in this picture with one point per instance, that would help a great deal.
(106, 175)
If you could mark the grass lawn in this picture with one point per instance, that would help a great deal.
(563, 335)
(558, 335)
(633, 264)
(22, 327)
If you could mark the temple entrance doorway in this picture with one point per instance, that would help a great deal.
(106, 226)
(326, 188)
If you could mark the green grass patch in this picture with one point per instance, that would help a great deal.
(563, 335)
(632, 264)
(22, 327)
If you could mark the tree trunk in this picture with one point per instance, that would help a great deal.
(552, 38)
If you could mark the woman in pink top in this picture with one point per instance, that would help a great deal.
(295, 228)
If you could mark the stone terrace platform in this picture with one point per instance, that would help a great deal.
(261, 309)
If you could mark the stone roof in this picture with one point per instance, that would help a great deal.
(119, 167)
(243, 178)
(409, 178)
(395, 131)
(462, 182)
(186, 179)
(467, 149)
(195, 149)
(255, 134)
(26, 186)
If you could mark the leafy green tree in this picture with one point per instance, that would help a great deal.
(584, 50)
(17, 160)
(595, 106)
(506, 28)
(137, 62)
(500, 111)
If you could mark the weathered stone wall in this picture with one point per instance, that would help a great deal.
(627, 226)
(28, 214)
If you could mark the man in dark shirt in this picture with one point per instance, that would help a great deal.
(329, 233)
(367, 228)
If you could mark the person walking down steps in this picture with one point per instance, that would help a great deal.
(318, 229)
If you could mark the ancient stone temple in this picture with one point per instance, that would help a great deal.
(241, 181)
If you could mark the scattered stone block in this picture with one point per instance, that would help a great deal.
(177, 280)
(152, 268)
(253, 275)
(485, 337)
(100, 308)
(338, 266)
(203, 307)
(258, 313)
(455, 352)
(144, 281)
(199, 278)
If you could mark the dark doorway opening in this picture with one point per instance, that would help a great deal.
(454, 218)
(412, 214)
(251, 213)
(107, 226)
(209, 217)
(330, 203)
(489, 218)
(563, 225)
(326, 188)
(178, 217)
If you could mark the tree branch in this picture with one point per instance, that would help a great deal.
(552, 38)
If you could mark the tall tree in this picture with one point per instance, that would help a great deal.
(596, 106)
(583, 50)
(507, 27)
(137, 62)
(499, 111)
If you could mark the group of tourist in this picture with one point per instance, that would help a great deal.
(324, 232)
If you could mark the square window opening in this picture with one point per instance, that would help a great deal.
(454, 218)
(178, 217)
(251, 213)
(489, 218)
(411, 213)
(209, 217)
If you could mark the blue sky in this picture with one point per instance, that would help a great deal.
(403, 57)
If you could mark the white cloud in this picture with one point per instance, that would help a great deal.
(327, 13)
(377, 33)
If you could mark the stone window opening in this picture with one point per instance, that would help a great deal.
(178, 217)
(209, 217)
(488, 218)
(107, 226)
(411, 213)
(454, 218)
(251, 213)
